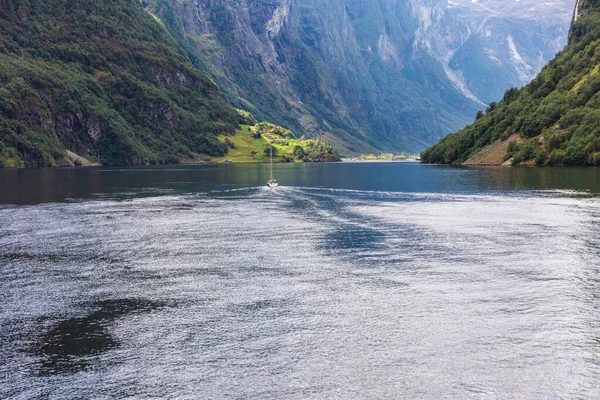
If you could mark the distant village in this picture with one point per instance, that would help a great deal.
(385, 157)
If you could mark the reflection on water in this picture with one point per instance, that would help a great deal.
(69, 346)
(33, 186)
(473, 283)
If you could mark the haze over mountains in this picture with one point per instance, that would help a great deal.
(487, 46)
(367, 75)
(553, 120)
(374, 74)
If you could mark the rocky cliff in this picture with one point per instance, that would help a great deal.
(369, 74)
(104, 80)
(488, 46)
(554, 120)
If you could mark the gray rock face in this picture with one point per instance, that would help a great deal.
(369, 74)
(487, 46)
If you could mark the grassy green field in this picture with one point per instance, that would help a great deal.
(249, 143)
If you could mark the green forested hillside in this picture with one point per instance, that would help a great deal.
(105, 80)
(347, 68)
(557, 116)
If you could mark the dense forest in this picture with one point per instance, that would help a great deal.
(103, 79)
(556, 116)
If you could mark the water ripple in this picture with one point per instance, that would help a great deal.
(302, 293)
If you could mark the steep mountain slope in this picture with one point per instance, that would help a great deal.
(557, 116)
(487, 46)
(102, 79)
(384, 74)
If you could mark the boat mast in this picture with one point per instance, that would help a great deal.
(271, 160)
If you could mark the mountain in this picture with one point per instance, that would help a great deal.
(119, 81)
(488, 46)
(554, 120)
(102, 79)
(369, 75)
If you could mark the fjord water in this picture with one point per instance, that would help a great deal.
(362, 281)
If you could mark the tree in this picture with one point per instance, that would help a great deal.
(510, 95)
(299, 153)
(268, 150)
(492, 107)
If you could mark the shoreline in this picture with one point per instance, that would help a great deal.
(352, 160)
(186, 163)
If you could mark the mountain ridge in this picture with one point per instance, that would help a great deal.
(556, 116)
(104, 80)
(119, 82)
(359, 71)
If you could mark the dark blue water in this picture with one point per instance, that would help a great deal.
(349, 281)
(32, 186)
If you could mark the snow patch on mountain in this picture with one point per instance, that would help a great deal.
(458, 79)
(280, 16)
(492, 30)
(386, 49)
(523, 69)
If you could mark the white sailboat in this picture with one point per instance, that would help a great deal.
(272, 181)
